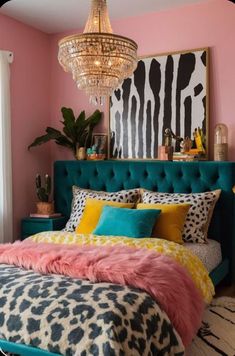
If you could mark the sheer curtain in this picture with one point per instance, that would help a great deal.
(6, 223)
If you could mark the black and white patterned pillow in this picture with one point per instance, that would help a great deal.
(199, 215)
(79, 200)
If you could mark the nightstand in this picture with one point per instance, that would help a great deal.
(31, 226)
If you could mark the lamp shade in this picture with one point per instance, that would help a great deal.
(221, 143)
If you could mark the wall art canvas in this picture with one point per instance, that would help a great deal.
(165, 91)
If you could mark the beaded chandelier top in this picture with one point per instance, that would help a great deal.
(98, 59)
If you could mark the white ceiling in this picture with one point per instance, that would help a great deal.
(54, 16)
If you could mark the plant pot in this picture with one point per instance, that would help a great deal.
(45, 207)
(81, 153)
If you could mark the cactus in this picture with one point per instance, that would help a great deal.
(43, 193)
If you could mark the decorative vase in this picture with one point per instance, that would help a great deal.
(81, 153)
(45, 208)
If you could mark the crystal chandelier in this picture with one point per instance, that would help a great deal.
(98, 59)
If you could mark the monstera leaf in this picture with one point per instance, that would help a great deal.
(77, 132)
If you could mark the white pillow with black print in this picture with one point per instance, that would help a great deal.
(199, 215)
(79, 200)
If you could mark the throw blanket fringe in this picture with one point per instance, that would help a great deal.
(160, 276)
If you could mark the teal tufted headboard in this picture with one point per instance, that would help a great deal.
(181, 177)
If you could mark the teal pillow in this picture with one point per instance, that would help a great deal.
(126, 222)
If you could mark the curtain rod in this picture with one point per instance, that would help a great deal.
(10, 55)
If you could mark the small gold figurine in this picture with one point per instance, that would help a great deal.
(186, 145)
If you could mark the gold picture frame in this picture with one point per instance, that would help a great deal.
(125, 104)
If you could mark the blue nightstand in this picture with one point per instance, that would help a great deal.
(31, 226)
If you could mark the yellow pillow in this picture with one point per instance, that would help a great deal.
(170, 223)
(92, 211)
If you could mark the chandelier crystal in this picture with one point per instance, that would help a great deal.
(98, 59)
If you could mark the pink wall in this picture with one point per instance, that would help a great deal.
(210, 24)
(30, 100)
(40, 87)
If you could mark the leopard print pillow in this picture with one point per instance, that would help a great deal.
(199, 215)
(79, 200)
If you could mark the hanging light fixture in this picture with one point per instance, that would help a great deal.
(98, 59)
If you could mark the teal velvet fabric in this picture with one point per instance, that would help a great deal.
(162, 176)
(183, 177)
(23, 350)
(126, 222)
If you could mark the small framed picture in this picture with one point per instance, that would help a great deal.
(99, 146)
(100, 142)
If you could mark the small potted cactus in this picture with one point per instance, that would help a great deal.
(44, 206)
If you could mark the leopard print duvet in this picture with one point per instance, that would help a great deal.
(77, 317)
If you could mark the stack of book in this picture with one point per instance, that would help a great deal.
(179, 156)
(45, 216)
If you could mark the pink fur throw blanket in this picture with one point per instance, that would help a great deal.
(160, 276)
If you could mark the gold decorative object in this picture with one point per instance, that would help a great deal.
(186, 145)
(199, 140)
(81, 153)
(98, 59)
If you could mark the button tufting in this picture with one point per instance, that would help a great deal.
(163, 175)
(146, 174)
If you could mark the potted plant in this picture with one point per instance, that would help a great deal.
(77, 132)
(44, 206)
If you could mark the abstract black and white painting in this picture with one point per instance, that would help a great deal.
(165, 91)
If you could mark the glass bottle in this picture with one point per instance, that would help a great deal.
(221, 143)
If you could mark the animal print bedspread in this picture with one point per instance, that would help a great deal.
(77, 317)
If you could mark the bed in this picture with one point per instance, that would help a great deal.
(181, 177)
